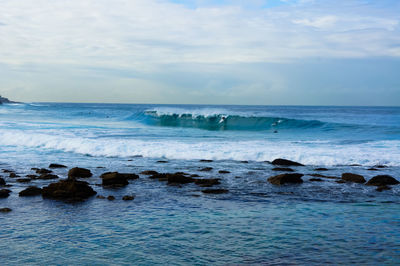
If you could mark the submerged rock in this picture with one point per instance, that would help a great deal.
(23, 180)
(30, 191)
(224, 172)
(207, 182)
(114, 179)
(77, 172)
(349, 177)
(382, 180)
(283, 169)
(127, 197)
(2, 182)
(382, 188)
(294, 178)
(285, 162)
(5, 210)
(4, 193)
(215, 191)
(161, 161)
(55, 165)
(43, 171)
(321, 169)
(149, 172)
(179, 179)
(47, 177)
(206, 161)
(206, 169)
(69, 189)
(32, 176)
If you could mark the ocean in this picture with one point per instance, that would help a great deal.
(255, 223)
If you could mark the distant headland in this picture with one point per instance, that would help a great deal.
(5, 100)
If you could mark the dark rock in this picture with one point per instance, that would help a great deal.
(355, 164)
(372, 169)
(43, 171)
(194, 175)
(77, 172)
(323, 176)
(206, 169)
(47, 177)
(294, 178)
(100, 197)
(380, 166)
(13, 175)
(285, 162)
(7, 171)
(159, 176)
(207, 182)
(32, 176)
(30, 191)
(353, 178)
(69, 189)
(341, 181)
(162, 161)
(224, 172)
(128, 197)
(321, 169)
(215, 191)
(114, 179)
(111, 198)
(283, 169)
(149, 172)
(181, 173)
(4, 193)
(382, 188)
(179, 179)
(2, 182)
(23, 180)
(244, 161)
(55, 165)
(206, 161)
(130, 176)
(34, 169)
(382, 180)
(5, 210)
(316, 180)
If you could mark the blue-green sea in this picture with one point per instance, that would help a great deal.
(255, 223)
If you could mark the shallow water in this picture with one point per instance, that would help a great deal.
(255, 223)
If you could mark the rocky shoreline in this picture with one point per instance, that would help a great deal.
(5, 100)
(74, 188)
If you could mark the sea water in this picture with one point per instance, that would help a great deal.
(255, 223)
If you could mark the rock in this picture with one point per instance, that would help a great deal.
(149, 172)
(380, 166)
(341, 181)
(114, 179)
(4, 193)
(285, 162)
(321, 169)
(55, 165)
(30, 191)
(43, 171)
(294, 178)
(32, 176)
(283, 169)
(159, 176)
(69, 189)
(34, 169)
(355, 164)
(7, 171)
(13, 175)
(316, 180)
(100, 197)
(224, 172)
(244, 161)
(382, 188)
(372, 169)
(207, 182)
(128, 197)
(353, 178)
(206, 161)
(5, 210)
(179, 179)
(23, 180)
(111, 198)
(382, 180)
(206, 169)
(194, 175)
(2, 182)
(77, 172)
(215, 191)
(47, 177)
(324, 176)
(162, 161)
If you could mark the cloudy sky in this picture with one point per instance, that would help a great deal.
(304, 52)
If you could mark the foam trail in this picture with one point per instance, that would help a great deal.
(310, 152)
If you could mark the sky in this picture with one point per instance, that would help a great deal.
(264, 52)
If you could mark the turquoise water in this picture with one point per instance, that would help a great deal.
(255, 223)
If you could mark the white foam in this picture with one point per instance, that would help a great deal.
(312, 153)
